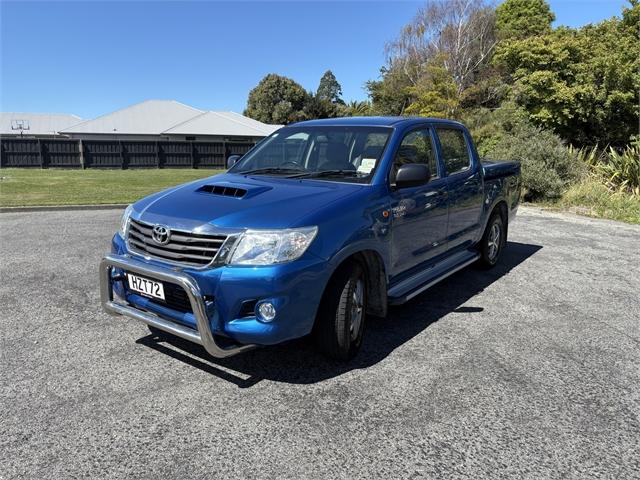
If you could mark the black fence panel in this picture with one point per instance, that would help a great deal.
(209, 155)
(20, 153)
(238, 148)
(102, 154)
(176, 154)
(140, 154)
(60, 153)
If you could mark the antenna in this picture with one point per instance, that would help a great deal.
(19, 124)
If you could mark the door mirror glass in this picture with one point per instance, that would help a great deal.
(232, 160)
(412, 175)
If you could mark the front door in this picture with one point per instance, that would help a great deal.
(419, 214)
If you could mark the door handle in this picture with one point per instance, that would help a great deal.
(434, 193)
(472, 179)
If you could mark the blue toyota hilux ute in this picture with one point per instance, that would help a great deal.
(320, 225)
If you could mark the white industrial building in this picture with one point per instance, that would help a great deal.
(154, 120)
(35, 125)
(170, 120)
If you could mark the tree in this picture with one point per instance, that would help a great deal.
(441, 54)
(277, 100)
(329, 89)
(316, 107)
(390, 95)
(631, 17)
(581, 83)
(461, 32)
(356, 109)
(517, 19)
(435, 93)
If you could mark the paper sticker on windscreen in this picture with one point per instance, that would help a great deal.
(367, 165)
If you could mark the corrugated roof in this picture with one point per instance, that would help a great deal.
(223, 123)
(35, 123)
(156, 117)
(151, 117)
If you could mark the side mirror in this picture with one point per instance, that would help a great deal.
(412, 175)
(232, 160)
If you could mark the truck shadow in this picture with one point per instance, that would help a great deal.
(298, 362)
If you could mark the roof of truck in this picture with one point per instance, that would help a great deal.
(374, 121)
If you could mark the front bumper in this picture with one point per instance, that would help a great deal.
(219, 294)
(202, 336)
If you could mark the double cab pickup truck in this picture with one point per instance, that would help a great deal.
(321, 224)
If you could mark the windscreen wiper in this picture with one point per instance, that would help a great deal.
(270, 170)
(328, 173)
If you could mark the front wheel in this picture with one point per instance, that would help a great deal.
(493, 241)
(341, 317)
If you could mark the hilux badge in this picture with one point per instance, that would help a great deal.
(161, 234)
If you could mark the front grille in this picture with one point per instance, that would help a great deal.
(186, 248)
(175, 298)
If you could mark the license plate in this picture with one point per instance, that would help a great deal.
(145, 286)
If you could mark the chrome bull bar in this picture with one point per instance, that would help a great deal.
(202, 336)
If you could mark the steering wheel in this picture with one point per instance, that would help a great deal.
(292, 163)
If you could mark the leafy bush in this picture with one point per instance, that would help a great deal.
(590, 156)
(548, 166)
(489, 126)
(619, 170)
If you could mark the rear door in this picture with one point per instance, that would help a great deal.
(419, 214)
(464, 183)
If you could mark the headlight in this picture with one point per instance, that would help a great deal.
(266, 247)
(124, 223)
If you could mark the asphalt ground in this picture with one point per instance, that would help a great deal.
(530, 370)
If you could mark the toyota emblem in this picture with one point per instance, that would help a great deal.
(161, 234)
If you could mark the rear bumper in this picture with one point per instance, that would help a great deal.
(109, 267)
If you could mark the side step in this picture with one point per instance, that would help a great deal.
(421, 281)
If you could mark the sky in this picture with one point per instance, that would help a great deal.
(89, 57)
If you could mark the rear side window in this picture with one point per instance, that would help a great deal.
(455, 153)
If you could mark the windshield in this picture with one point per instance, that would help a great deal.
(349, 154)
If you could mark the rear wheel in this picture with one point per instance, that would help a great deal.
(493, 241)
(341, 317)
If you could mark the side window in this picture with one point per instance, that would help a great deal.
(416, 147)
(455, 153)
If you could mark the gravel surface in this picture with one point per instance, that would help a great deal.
(530, 370)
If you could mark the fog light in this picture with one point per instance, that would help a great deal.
(266, 311)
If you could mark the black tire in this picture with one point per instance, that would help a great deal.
(491, 248)
(336, 336)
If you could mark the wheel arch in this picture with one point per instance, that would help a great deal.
(376, 278)
(376, 281)
(500, 204)
(503, 209)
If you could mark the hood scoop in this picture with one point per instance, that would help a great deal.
(223, 191)
(232, 189)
